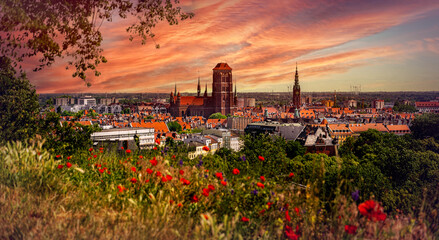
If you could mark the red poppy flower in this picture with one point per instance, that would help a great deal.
(194, 199)
(290, 233)
(291, 175)
(262, 211)
(219, 176)
(206, 148)
(90, 149)
(261, 158)
(184, 181)
(169, 177)
(164, 179)
(149, 171)
(180, 205)
(181, 172)
(98, 165)
(121, 188)
(155, 148)
(171, 202)
(58, 156)
(297, 210)
(350, 229)
(372, 211)
(128, 151)
(158, 174)
(211, 187)
(173, 156)
(133, 169)
(60, 166)
(68, 158)
(236, 171)
(140, 156)
(147, 180)
(95, 156)
(261, 185)
(244, 219)
(262, 178)
(269, 204)
(287, 216)
(153, 162)
(205, 192)
(68, 165)
(133, 180)
(205, 217)
(101, 170)
(224, 183)
(121, 148)
(101, 149)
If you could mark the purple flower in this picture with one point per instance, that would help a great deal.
(232, 191)
(243, 158)
(200, 163)
(205, 176)
(355, 195)
(181, 162)
(255, 192)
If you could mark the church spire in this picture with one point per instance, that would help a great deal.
(175, 91)
(198, 88)
(296, 91)
(296, 79)
(205, 91)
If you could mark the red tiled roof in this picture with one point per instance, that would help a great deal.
(159, 127)
(190, 100)
(222, 66)
(356, 128)
(398, 127)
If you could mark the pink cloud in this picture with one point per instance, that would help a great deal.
(260, 40)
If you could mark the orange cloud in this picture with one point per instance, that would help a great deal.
(261, 40)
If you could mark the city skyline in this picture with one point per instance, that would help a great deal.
(379, 45)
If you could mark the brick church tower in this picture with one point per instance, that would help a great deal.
(296, 91)
(222, 89)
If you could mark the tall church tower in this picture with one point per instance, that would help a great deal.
(222, 89)
(296, 91)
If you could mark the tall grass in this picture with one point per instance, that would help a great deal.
(41, 197)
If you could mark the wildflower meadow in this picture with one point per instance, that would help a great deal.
(161, 194)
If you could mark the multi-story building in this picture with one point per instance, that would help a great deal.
(64, 101)
(427, 107)
(128, 138)
(378, 104)
(87, 101)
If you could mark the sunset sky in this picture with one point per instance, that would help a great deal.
(380, 45)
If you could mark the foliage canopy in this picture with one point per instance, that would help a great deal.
(50, 29)
(217, 116)
(18, 104)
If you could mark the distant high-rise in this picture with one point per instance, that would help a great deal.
(296, 91)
